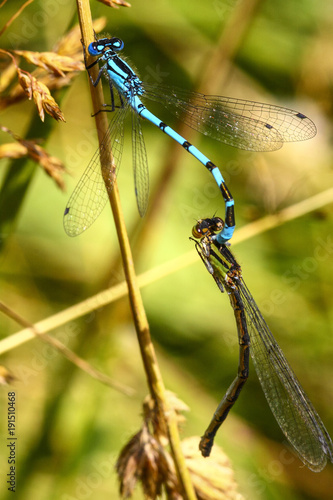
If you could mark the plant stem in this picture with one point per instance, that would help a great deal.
(153, 374)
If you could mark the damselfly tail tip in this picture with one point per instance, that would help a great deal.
(205, 446)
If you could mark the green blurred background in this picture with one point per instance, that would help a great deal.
(69, 425)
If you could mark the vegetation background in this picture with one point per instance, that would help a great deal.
(70, 425)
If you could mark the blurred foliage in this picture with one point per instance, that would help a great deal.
(70, 427)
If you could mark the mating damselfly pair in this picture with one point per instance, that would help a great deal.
(248, 125)
(241, 123)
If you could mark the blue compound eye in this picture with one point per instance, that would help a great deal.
(96, 48)
(116, 43)
(103, 44)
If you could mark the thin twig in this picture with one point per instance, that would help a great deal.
(70, 355)
(17, 13)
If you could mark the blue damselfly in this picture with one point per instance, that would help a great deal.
(244, 124)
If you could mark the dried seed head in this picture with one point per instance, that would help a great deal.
(52, 165)
(50, 61)
(41, 95)
(152, 413)
(6, 377)
(7, 76)
(177, 405)
(213, 477)
(143, 459)
(70, 44)
(12, 150)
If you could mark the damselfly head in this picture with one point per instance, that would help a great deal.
(114, 43)
(103, 44)
(207, 227)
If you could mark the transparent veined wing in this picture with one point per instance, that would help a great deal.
(140, 165)
(290, 405)
(241, 123)
(90, 196)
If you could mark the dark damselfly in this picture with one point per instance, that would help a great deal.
(291, 407)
